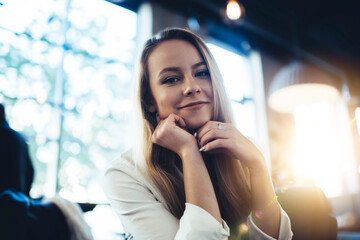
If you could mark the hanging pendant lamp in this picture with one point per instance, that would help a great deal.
(299, 84)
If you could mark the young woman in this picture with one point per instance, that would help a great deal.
(194, 174)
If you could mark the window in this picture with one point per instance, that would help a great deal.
(65, 75)
(246, 96)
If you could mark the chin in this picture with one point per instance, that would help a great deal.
(195, 124)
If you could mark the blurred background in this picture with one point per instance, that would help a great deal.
(291, 69)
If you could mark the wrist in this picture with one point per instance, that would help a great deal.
(189, 149)
(259, 169)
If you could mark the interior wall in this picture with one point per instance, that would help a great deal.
(280, 128)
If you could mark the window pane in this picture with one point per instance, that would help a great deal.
(97, 95)
(103, 29)
(235, 70)
(245, 118)
(28, 68)
(40, 126)
(71, 101)
(40, 19)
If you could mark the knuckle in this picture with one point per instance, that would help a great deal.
(153, 138)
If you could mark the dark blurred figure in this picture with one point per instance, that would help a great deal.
(22, 217)
(16, 171)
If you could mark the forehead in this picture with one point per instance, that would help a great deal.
(173, 53)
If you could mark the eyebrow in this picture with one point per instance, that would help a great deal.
(177, 69)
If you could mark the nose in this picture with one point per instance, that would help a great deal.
(191, 86)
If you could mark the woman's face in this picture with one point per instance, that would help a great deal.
(180, 83)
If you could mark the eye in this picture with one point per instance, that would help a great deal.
(171, 80)
(203, 73)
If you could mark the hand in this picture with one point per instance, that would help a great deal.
(228, 140)
(170, 133)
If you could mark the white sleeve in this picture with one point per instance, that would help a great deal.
(139, 211)
(144, 217)
(196, 223)
(285, 232)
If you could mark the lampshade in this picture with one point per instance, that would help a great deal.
(299, 84)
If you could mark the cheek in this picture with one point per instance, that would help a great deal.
(208, 90)
(165, 103)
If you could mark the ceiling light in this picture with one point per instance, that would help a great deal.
(300, 84)
(233, 10)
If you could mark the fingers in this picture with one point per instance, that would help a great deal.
(211, 125)
(204, 129)
(216, 146)
(212, 135)
(178, 120)
(170, 133)
(211, 131)
(172, 118)
(167, 127)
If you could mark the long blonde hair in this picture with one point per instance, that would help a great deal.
(230, 179)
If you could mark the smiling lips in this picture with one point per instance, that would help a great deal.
(194, 105)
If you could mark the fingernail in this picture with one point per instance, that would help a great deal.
(195, 134)
(202, 149)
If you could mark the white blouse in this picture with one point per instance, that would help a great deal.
(144, 214)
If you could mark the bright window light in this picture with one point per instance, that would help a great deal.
(235, 70)
(324, 155)
(71, 101)
(357, 117)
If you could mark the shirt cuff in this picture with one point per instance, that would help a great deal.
(196, 223)
(285, 232)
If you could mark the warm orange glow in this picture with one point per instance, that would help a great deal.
(324, 148)
(243, 228)
(357, 117)
(233, 10)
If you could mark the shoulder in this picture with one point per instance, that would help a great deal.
(122, 174)
(123, 170)
(124, 164)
